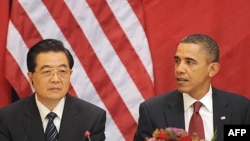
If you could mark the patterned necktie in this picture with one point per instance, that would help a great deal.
(196, 124)
(51, 132)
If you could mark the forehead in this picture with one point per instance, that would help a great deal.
(189, 50)
(51, 59)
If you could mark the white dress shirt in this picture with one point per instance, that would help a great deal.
(206, 112)
(44, 112)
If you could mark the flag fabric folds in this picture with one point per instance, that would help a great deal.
(123, 49)
(113, 66)
(5, 95)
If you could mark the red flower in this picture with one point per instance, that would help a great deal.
(174, 134)
(185, 138)
(161, 135)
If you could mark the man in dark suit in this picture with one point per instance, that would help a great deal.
(50, 67)
(196, 62)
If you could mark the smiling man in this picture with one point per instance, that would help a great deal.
(196, 63)
(51, 113)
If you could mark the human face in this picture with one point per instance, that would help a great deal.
(192, 70)
(51, 78)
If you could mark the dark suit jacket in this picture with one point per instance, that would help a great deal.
(21, 121)
(167, 110)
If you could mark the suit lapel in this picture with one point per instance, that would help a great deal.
(221, 113)
(68, 128)
(32, 121)
(175, 111)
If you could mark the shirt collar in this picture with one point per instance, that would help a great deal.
(43, 110)
(205, 100)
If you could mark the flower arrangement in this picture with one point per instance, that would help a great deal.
(174, 134)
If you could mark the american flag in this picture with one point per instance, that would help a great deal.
(123, 49)
(113, 66)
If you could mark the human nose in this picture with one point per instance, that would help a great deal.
(179, 67)
(55, 75)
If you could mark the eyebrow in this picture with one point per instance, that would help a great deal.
(190, 59)
(47, 66)
(176, 57)
(186, 58)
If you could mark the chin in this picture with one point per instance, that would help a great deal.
(56, 96)
(182, 90)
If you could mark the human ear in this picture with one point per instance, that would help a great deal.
(214, 69)
(30, 75)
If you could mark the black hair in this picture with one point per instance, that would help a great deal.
(47, 45)
(209, 46)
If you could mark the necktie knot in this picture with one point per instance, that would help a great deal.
(51, 116)
(197, 105)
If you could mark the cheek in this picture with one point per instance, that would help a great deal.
(198, 74)
(65, 83)
(201, 75)
(39, 85)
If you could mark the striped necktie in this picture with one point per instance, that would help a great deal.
(51, 133)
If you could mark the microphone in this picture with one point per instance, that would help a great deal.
(87, 134)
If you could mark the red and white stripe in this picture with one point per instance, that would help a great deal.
(113, 67)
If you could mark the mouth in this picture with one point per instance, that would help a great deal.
(181, 80)
(54, 89)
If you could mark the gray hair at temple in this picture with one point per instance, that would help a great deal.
(209, 46)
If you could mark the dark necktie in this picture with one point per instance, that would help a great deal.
(196, 124)
(51, 132)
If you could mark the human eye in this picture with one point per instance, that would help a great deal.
(46, 72)
(190, 62)
(62, 72)
(177, 61)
